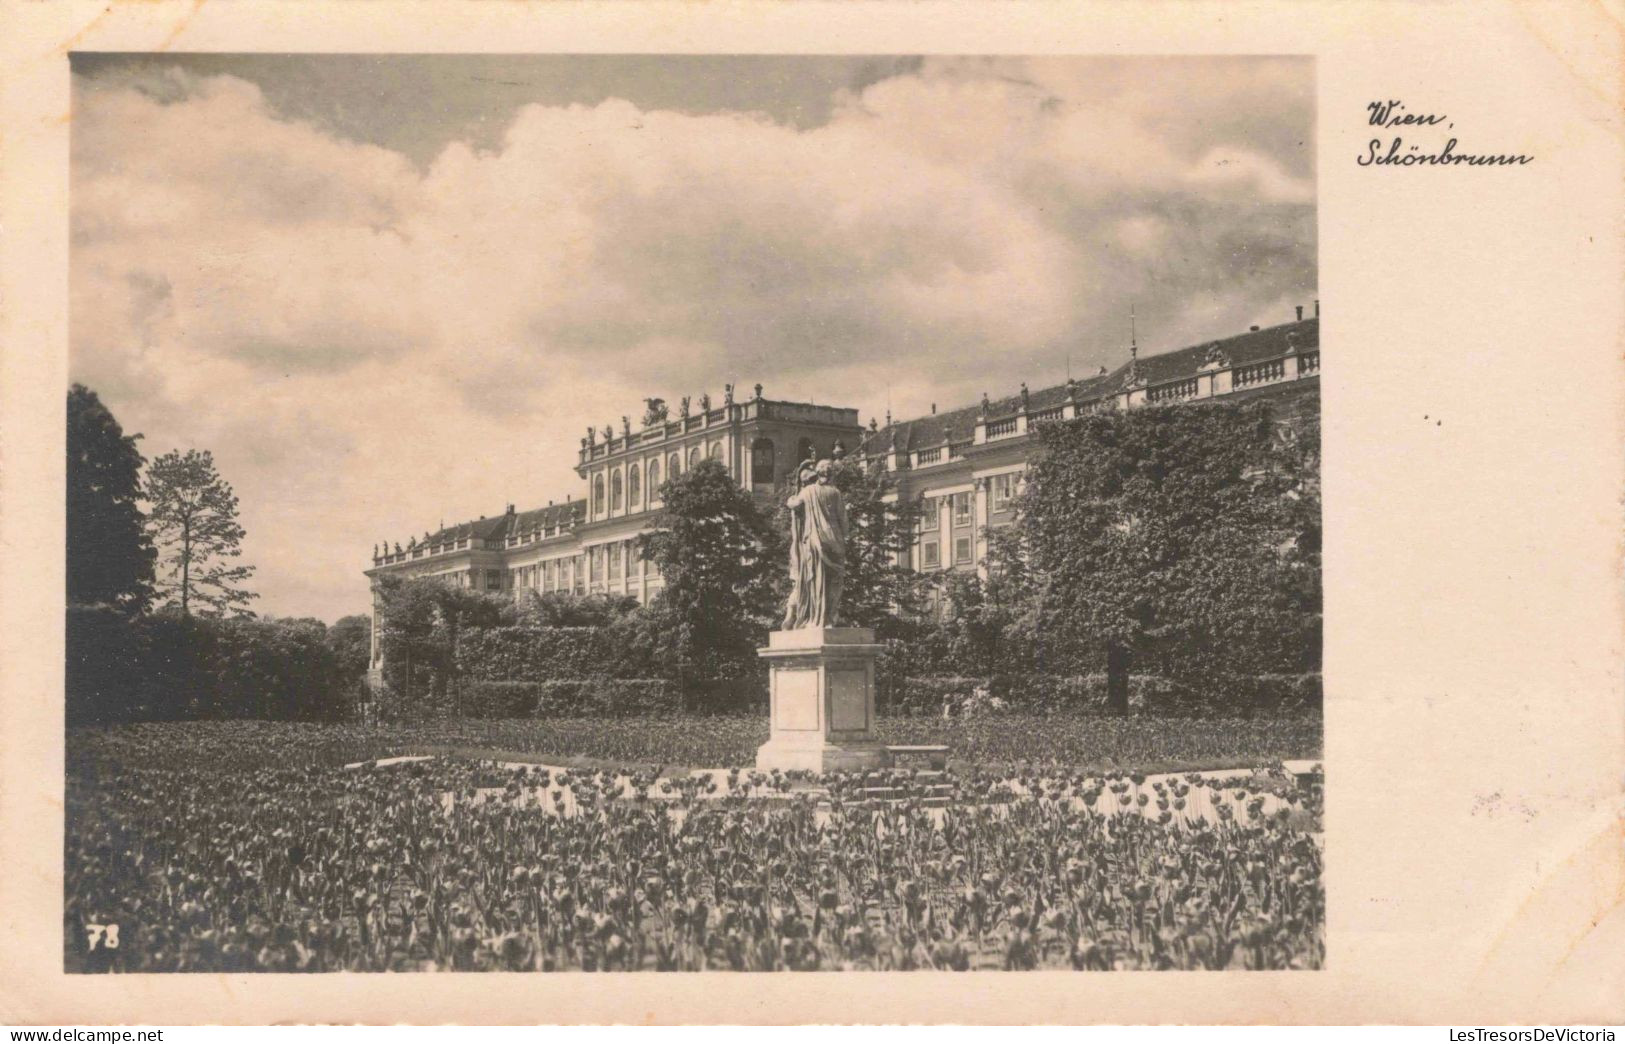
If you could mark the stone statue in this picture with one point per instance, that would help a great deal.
(817, 550)
(705, 402)
(685, 407)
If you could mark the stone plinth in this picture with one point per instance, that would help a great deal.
(823, 700)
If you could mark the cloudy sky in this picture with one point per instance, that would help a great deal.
(388, 292)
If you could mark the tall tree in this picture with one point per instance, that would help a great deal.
(350, 638)
(109, 554)
(720, 558)
(1178, 538)
(194, 523)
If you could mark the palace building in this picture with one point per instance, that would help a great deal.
(966, 463)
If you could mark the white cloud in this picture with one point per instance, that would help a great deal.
(369, 347)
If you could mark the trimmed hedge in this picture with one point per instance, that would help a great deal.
(167, 667)
(604, 671)
(572, 698)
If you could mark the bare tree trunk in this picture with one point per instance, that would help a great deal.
(186, 566)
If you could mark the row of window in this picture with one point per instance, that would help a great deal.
(931, 554)
(763, 471)
(631, 494)
(614, 561)
(961, 507)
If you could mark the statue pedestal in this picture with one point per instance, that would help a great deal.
(823, 700)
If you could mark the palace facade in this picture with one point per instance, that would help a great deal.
(966, 463)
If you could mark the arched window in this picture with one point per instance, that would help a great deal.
(693, 457)
(804, 451)
(634, 485)
(674, 467)
(615, 491)
(762, 465)
(654, 479)
(598, 495)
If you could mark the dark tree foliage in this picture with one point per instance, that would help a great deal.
(194, 523)
(562, 609)
(107, 665)
(419, 623)
(169, 667)
(274, 670)
(720, 558)
(1182, 539)
(987, 626)
(109, 555)
(350, 639)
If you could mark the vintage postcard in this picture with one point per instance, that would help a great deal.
(500, 493)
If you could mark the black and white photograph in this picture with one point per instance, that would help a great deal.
(694, 513)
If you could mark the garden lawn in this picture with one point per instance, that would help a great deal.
(1079, 743)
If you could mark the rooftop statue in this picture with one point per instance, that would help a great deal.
(817, 550)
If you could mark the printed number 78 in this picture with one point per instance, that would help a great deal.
(103, 934)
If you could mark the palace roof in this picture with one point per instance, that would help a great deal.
(500, 527)
(958, 425)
